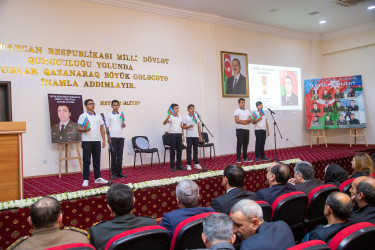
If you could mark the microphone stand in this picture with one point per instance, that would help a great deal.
(274, 133)
(110, 149)
(204, 157)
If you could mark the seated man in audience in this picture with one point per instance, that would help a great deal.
(233, 179)
(277, 176)
(304, 180)
(120, 201)
(45, 218)
(187, 195)
(218, 232)
(363, 196)
(248, 224)
(337, 210)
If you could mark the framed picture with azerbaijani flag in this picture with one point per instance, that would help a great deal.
(234, 72)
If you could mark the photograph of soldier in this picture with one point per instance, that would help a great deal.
(316, 121)
(315, 109)
(339, 108)
(314, 95)
(338, 94)
(327, 108)
(351, 93)
(353, 120)
(328, 121)
(66, 130)
(290, 98)
(341, 120)
(352, 106)
(326, 95)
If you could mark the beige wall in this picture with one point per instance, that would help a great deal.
(193, 48)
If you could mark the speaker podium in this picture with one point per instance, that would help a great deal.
(11, 162)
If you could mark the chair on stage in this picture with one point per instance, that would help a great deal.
(345, 186)
(291, 208)
(206, 144)
(311, 245)
(315, 210)
(167, 143)
(266, 209)
(141, 145)
(188, 233)
(73, 246)
(147, 238)
(357, 236)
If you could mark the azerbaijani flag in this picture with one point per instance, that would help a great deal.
(194, 119)
(86, 124)
(261, 113)
(227, 69)
(170, 111)
(254, 116)
(122, 117)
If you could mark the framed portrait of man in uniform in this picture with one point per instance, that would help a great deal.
(64, 111)
(234, 72)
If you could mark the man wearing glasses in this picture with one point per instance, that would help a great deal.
(92, 127)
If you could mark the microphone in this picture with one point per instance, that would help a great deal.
(271, 111)
(197, 114)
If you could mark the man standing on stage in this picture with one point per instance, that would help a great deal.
(116, 125)
(242, 119)
(92, 128)
(261, 132)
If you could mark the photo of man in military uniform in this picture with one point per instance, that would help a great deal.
(328, 121)
(339, 108)
(66, 130)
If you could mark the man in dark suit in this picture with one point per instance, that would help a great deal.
(341, 120)
(233, 179)
(337, 210)
(289, 98)
(327, 108)
(363, 196)
(353, 120)
(315, 109)
(236, 84)
(248, 224)
(120, 201)
(277, 177)
(352, 106)
(338, 94)
(326, 95)
(187, 195)
(328, 121)
(304, 177)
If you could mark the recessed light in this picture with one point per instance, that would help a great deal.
(322, 22)
(371, 7)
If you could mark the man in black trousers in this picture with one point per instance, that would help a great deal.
(261, 132)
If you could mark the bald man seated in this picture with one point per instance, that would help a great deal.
(363, 197)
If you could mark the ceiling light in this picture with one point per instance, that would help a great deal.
(322, 22)
(371, 7)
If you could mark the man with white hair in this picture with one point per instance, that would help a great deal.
(187, 195)
(304, 177)
(248, 224)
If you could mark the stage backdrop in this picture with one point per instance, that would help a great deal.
(335, 102)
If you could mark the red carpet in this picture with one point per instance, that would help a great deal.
(41, 186)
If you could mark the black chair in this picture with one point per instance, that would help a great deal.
(206, 144)
(345, 186)
(167, 143)
(73, 246)
(141, 145)
(266, 209)
(311, 245)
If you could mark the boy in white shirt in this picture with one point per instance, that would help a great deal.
(261, 132)
(193, 136)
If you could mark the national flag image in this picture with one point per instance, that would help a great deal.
(254, 116)
(261, 113)
(86, 124)
(227, 69)
(122, 117)
(194, 119)
(170, 111)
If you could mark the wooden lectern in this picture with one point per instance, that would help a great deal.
(11, 162)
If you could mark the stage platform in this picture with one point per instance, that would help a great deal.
(155, 201)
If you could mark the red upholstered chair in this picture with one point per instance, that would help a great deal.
(188, 233)
(372, 175)
(149, 237)
(345, 186)
(311, 245)
(291, 208)
(267, 210)
(315, 210)
(357, 236)
(75, 246)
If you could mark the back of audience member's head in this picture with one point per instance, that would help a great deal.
(340, 204)
(235, 175)
(249, 208)
(217, 228)
(305, 169)
(367, 187)
(120, 198)
(281, 172)
(363, 162)
(335, 174)
(45, 212)
(187, 192)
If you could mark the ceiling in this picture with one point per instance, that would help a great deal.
(292, 15)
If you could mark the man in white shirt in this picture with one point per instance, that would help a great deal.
(193, 136)
(261, 132)
(92, 127)
(116, 125)
(242, 117)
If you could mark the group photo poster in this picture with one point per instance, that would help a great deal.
(335, 102)
(64, 111)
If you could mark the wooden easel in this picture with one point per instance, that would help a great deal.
(354, 132)
(317, 136)
(68, 156)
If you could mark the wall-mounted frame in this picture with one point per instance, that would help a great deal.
(5, 102)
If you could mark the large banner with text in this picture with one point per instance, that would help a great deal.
(335, 102)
